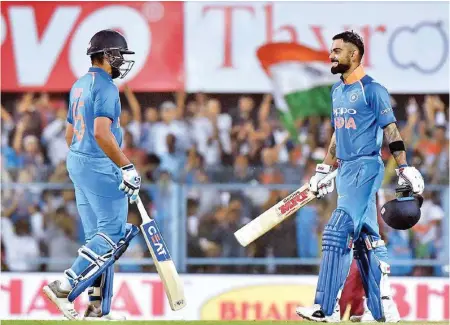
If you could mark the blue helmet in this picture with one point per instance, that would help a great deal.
(113, 46)
(403, 212)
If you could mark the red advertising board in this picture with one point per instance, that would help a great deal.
(43, 44)
(141, 296)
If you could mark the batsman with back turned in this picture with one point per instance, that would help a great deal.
(103, 178)
(361, 115)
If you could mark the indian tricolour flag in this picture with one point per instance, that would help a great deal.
(301, 81)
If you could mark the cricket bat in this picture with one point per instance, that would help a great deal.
(170, 278)
(278, 213)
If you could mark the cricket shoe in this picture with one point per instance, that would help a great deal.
(95, 314)
(59, 297)
(366, 317)
(390, 312)
(316, 314)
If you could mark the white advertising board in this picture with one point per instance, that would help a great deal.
(406, 43)
(215, 297)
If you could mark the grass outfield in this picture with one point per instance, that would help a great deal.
(43, 322)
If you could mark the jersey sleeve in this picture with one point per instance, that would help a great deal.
(379, 100)
(105, 99)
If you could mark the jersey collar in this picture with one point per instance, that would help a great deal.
(355, 76)
(100, 71)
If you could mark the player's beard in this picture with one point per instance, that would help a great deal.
(115, 73)
(340, 68)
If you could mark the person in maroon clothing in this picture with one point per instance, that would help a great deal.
(353, 292)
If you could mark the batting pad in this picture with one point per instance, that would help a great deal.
(336, 260)
(97, 264)
(371, 257)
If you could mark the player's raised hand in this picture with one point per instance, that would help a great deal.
(411, 176)
(316, 186)
(131, 182)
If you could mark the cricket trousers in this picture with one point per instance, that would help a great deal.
(102, 207)
(357, 183)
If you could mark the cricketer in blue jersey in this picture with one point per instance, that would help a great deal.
(103, 178)
(361, 115)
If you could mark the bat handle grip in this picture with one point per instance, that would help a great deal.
(329, 177)
(142, 210)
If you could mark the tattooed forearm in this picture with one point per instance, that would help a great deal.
(333, 150)
(331, 158)
(391, 134)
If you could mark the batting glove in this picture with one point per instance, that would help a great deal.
(131, 182)
(408, 175)
(316, 186)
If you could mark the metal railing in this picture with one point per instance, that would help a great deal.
(175, 229)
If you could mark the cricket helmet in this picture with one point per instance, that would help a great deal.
(403, 212)
(113, 46)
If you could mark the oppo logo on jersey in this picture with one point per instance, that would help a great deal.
(343, 110)
(347, 122)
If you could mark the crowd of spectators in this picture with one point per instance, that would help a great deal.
(197, 139)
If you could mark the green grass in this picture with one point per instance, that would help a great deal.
(44, 322)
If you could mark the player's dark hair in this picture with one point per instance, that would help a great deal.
(97, 58)
(353, 38)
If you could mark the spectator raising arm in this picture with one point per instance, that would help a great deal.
(264, 108)
(18, 136)
(180, 101)
(134, 104)
(5, 116)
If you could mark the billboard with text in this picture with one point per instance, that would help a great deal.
(215, 297)
(211, 46)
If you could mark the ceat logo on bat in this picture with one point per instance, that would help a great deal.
(260, 302)
(292, 201)
(155, 239)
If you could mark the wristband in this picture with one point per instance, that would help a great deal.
(397, 146)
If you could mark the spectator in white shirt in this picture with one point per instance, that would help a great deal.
(170, 124)
(219, 141)
(21, 248)
(53, 138)
(151, 118)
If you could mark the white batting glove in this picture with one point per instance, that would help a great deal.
(316, 186)
(408, 175)
(131, 182)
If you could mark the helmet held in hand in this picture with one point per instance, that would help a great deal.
(403, 212)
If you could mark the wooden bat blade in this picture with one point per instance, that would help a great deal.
(278, 213)
(170, 278)
(275, 215)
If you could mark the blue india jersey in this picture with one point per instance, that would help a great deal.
(93, 95)
(361, 109)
